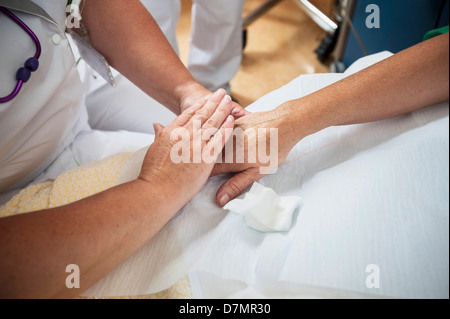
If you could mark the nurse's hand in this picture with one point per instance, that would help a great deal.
(192, 92)
(184, 153)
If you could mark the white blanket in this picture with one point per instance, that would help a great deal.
(374, 195)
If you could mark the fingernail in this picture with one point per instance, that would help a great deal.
(226, 100)
(220, 91)
(224, 199)
(230, 118)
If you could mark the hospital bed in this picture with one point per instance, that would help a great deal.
(374, 221)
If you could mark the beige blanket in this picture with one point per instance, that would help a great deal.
(75, 185)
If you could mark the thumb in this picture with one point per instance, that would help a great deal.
(158, 128)
(221, 168)
(238, 111)
(236, 185)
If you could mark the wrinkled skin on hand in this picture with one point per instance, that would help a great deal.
(209, 115)
(250, 131)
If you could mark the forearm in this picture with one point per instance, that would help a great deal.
(415, 78)
(97, 234)
(129, 38)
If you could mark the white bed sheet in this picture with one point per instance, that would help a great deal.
(375, 193)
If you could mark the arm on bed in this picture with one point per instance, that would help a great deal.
(415, 78)
(100, 232)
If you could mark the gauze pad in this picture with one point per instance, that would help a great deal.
(265, 211)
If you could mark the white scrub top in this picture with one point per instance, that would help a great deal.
(44, 131)
(46, 115)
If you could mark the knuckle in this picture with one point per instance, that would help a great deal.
(201, 115)
(211, 123)
(202, 111)
(234, 187)
(190, 111)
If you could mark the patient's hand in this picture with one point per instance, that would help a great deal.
(180, 160)
(259, 145)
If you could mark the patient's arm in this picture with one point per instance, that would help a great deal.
(127, 35)
(100, 232)
(412, 79)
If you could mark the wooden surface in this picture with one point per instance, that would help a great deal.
(280, 47)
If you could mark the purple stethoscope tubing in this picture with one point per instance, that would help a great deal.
(36, 55)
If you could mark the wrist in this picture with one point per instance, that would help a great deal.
(302, 117)
(189, 93)
(161, 190)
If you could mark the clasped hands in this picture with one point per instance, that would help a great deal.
(198, 143)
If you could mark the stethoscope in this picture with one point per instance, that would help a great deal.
(32, 64)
